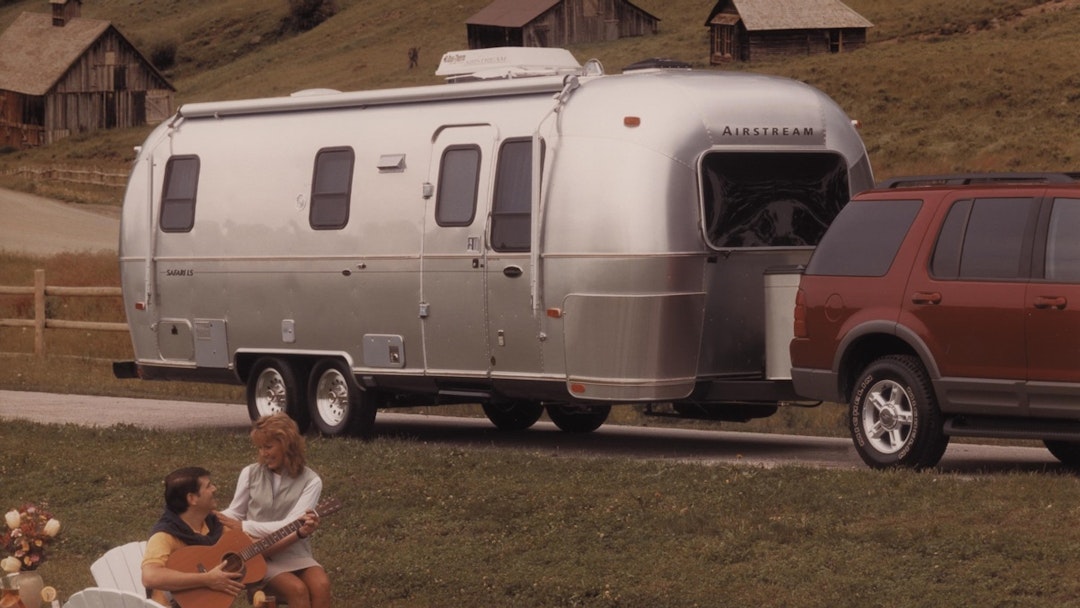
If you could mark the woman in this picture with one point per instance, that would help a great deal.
(272, 493)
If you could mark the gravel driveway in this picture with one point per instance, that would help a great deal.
(40, 226)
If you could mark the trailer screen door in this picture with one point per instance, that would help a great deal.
(771, 199)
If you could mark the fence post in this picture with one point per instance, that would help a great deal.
(39, 312)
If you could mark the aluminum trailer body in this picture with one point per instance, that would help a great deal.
(556, 236)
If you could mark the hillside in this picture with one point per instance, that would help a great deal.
(962, 85)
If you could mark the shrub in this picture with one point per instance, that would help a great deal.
(163, 54)
(306, 14)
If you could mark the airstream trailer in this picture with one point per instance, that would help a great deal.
(532, 235)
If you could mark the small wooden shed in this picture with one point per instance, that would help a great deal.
(62, 74)
(556, 23)
(747, 30)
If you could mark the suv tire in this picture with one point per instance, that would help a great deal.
(895, 420)
(1068, 452)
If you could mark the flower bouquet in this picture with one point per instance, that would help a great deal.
(30, 529)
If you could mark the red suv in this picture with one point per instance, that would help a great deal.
(951, 308)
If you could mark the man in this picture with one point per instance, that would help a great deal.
(188, 519)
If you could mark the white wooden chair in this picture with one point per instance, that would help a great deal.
(96, 597)
(121, 568)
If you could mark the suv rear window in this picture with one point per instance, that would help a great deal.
(864, 239)
(1063, 242)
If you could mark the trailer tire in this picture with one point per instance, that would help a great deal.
(513, 416)
(274, 387)
(578, 418)
(336, 402)
(894, 417)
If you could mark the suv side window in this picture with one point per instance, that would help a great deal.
(864, 239)
(985, 239)
(1063, 242)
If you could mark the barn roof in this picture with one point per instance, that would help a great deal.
(517, 13)
(760, 15)
(35, 54)
(511, 13)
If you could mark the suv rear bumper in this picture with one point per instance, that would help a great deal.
(820, 384)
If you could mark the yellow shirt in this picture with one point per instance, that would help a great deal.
(158, 549)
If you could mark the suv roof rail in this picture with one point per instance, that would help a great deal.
(965, 179)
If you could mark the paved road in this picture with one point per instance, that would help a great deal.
(610, 440)
(40, 226)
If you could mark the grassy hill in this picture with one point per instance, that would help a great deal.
(984, 85)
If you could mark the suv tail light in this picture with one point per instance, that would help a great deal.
(800, 314)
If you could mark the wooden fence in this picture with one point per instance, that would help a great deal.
(71, 175)
(40, 323)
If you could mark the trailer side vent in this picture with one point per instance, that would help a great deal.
(391, 163)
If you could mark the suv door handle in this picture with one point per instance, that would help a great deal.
(926, 297)
(1044, 302)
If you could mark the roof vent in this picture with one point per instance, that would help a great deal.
(506, 62)
(657, 63)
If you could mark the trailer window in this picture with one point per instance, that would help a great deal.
(178, 194)
(781, 199)
(459, 180)
(331, 188)
(512, 202)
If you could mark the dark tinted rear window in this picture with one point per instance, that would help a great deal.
(864, 239)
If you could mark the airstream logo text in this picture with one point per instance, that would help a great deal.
(730, 131)
(179, 272)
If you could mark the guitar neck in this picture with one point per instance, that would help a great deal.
(266, 542)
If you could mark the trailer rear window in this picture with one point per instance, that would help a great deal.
(331, 188)
(771, 199)
(179, 193)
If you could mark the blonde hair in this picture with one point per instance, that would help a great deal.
(282, 429)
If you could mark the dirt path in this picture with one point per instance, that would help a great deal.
(40, 226)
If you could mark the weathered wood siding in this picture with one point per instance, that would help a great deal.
(570, 22)
(758, 46)
(21, 119)
(779, 43)
(577, 21)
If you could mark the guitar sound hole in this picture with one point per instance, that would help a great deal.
(233, 562)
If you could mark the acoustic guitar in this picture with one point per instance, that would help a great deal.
(239, 553)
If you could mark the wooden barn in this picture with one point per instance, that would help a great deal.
(62, 74)
(556, 23)
(747, 30)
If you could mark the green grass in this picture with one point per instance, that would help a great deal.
(431, 525)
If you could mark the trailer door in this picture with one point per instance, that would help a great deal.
(453, 288)
(512, 328)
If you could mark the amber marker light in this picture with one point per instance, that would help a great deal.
(554, 313)
(631, 121)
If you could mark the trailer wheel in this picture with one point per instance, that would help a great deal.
(337, 403)
(894, 416)
(578, 418)
(514, 416)
(275, 387)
